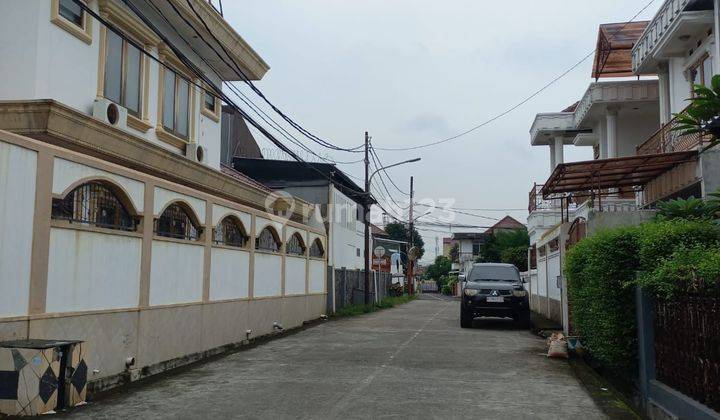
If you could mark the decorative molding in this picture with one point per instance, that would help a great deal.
(84, 34)
(58, 124)
(126, 20)
(138, 124)
(170, 138)
(619, 92)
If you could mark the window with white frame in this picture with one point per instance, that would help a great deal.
(175, 104)
(123, 73)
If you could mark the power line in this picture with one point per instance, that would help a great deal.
(374, 153)
(522, 102)
(255, 89)
(452, 210)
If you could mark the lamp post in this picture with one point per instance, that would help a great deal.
(366, 211)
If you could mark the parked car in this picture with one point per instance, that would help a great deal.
(494, 290)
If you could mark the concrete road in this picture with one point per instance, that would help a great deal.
(413, 361)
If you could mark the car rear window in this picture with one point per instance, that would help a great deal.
(494, 273)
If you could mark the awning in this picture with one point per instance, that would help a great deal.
(613, 56)
(630, 171)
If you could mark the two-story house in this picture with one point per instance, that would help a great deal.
(638, 158)
(119, 226)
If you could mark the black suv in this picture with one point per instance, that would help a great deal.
(495, 290)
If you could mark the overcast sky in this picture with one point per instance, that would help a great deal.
(414, 71)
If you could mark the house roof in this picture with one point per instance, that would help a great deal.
(613, 54)
(377, 231)
(240, 177)
(506, 223)
(612, 173)
(278, 174)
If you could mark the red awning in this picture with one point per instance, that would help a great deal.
(630, 171)
(614, 46)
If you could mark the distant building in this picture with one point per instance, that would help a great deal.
(469, 243)
(236, 138)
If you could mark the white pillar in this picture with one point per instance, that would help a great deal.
(559, 151)
(611, 120)
(664, 93)
(552, 155)
(602, 137)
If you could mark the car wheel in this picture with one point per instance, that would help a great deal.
(466, 319)
(523, 319)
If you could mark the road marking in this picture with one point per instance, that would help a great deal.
(353, 395)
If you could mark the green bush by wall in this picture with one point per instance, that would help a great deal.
(671, 257)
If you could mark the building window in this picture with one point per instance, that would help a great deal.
(268, 240)
(316, 249)
(295, 246)
(554, 245)
(230, 232)
(542, 251)
(476, 248)
(71, 17)
(72, 12)
(211, 106)
(123, 73)
(175, 222)
(94, 204)
(701, 72)
(176, 104)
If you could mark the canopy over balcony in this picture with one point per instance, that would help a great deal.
(613, 55)
(630, 171)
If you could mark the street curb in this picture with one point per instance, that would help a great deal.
(605, 396)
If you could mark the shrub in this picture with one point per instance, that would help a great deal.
(673, 257)
(691, 208)
(687, 270)
(599, 272)
(517, 256)
(449, 287)
(659, 240)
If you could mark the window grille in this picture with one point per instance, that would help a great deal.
(316, 249)
(230, 232)
(267, 241)
(95, 204)
(295, 245)
(176, 223)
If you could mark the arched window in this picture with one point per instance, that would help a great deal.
(175, 222)
(316, 249)
(230, 232)
(295, 246)
(268, 240)
(96, 204)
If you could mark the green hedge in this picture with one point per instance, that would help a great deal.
(601, 273)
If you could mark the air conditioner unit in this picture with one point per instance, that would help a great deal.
(195, 152)
(110, 112)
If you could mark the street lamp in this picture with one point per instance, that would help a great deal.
(367, 214)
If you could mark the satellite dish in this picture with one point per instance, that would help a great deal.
(379, 251)
(414, 253)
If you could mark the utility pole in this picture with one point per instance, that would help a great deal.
(410, 262)
(366, 214)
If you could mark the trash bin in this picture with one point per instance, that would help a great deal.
(41, 376)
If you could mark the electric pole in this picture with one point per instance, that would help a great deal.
(411, 263)
(366, 214)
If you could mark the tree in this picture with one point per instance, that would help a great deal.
(441, 267)
(506, 246)
(702, 116)
(400, 232)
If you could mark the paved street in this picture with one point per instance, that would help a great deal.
(410, 361)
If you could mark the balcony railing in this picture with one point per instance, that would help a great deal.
(655, 31)
(667, 140)
(536, 201)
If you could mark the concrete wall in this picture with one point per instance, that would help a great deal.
(92, 271)
(17, 191)
(345, 239)
(164, 301)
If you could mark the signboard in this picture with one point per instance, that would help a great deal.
(414, 253)
(379, 251)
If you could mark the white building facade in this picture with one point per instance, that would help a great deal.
(119, 226)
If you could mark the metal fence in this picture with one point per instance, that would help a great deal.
(350, 287)
(687, 347)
